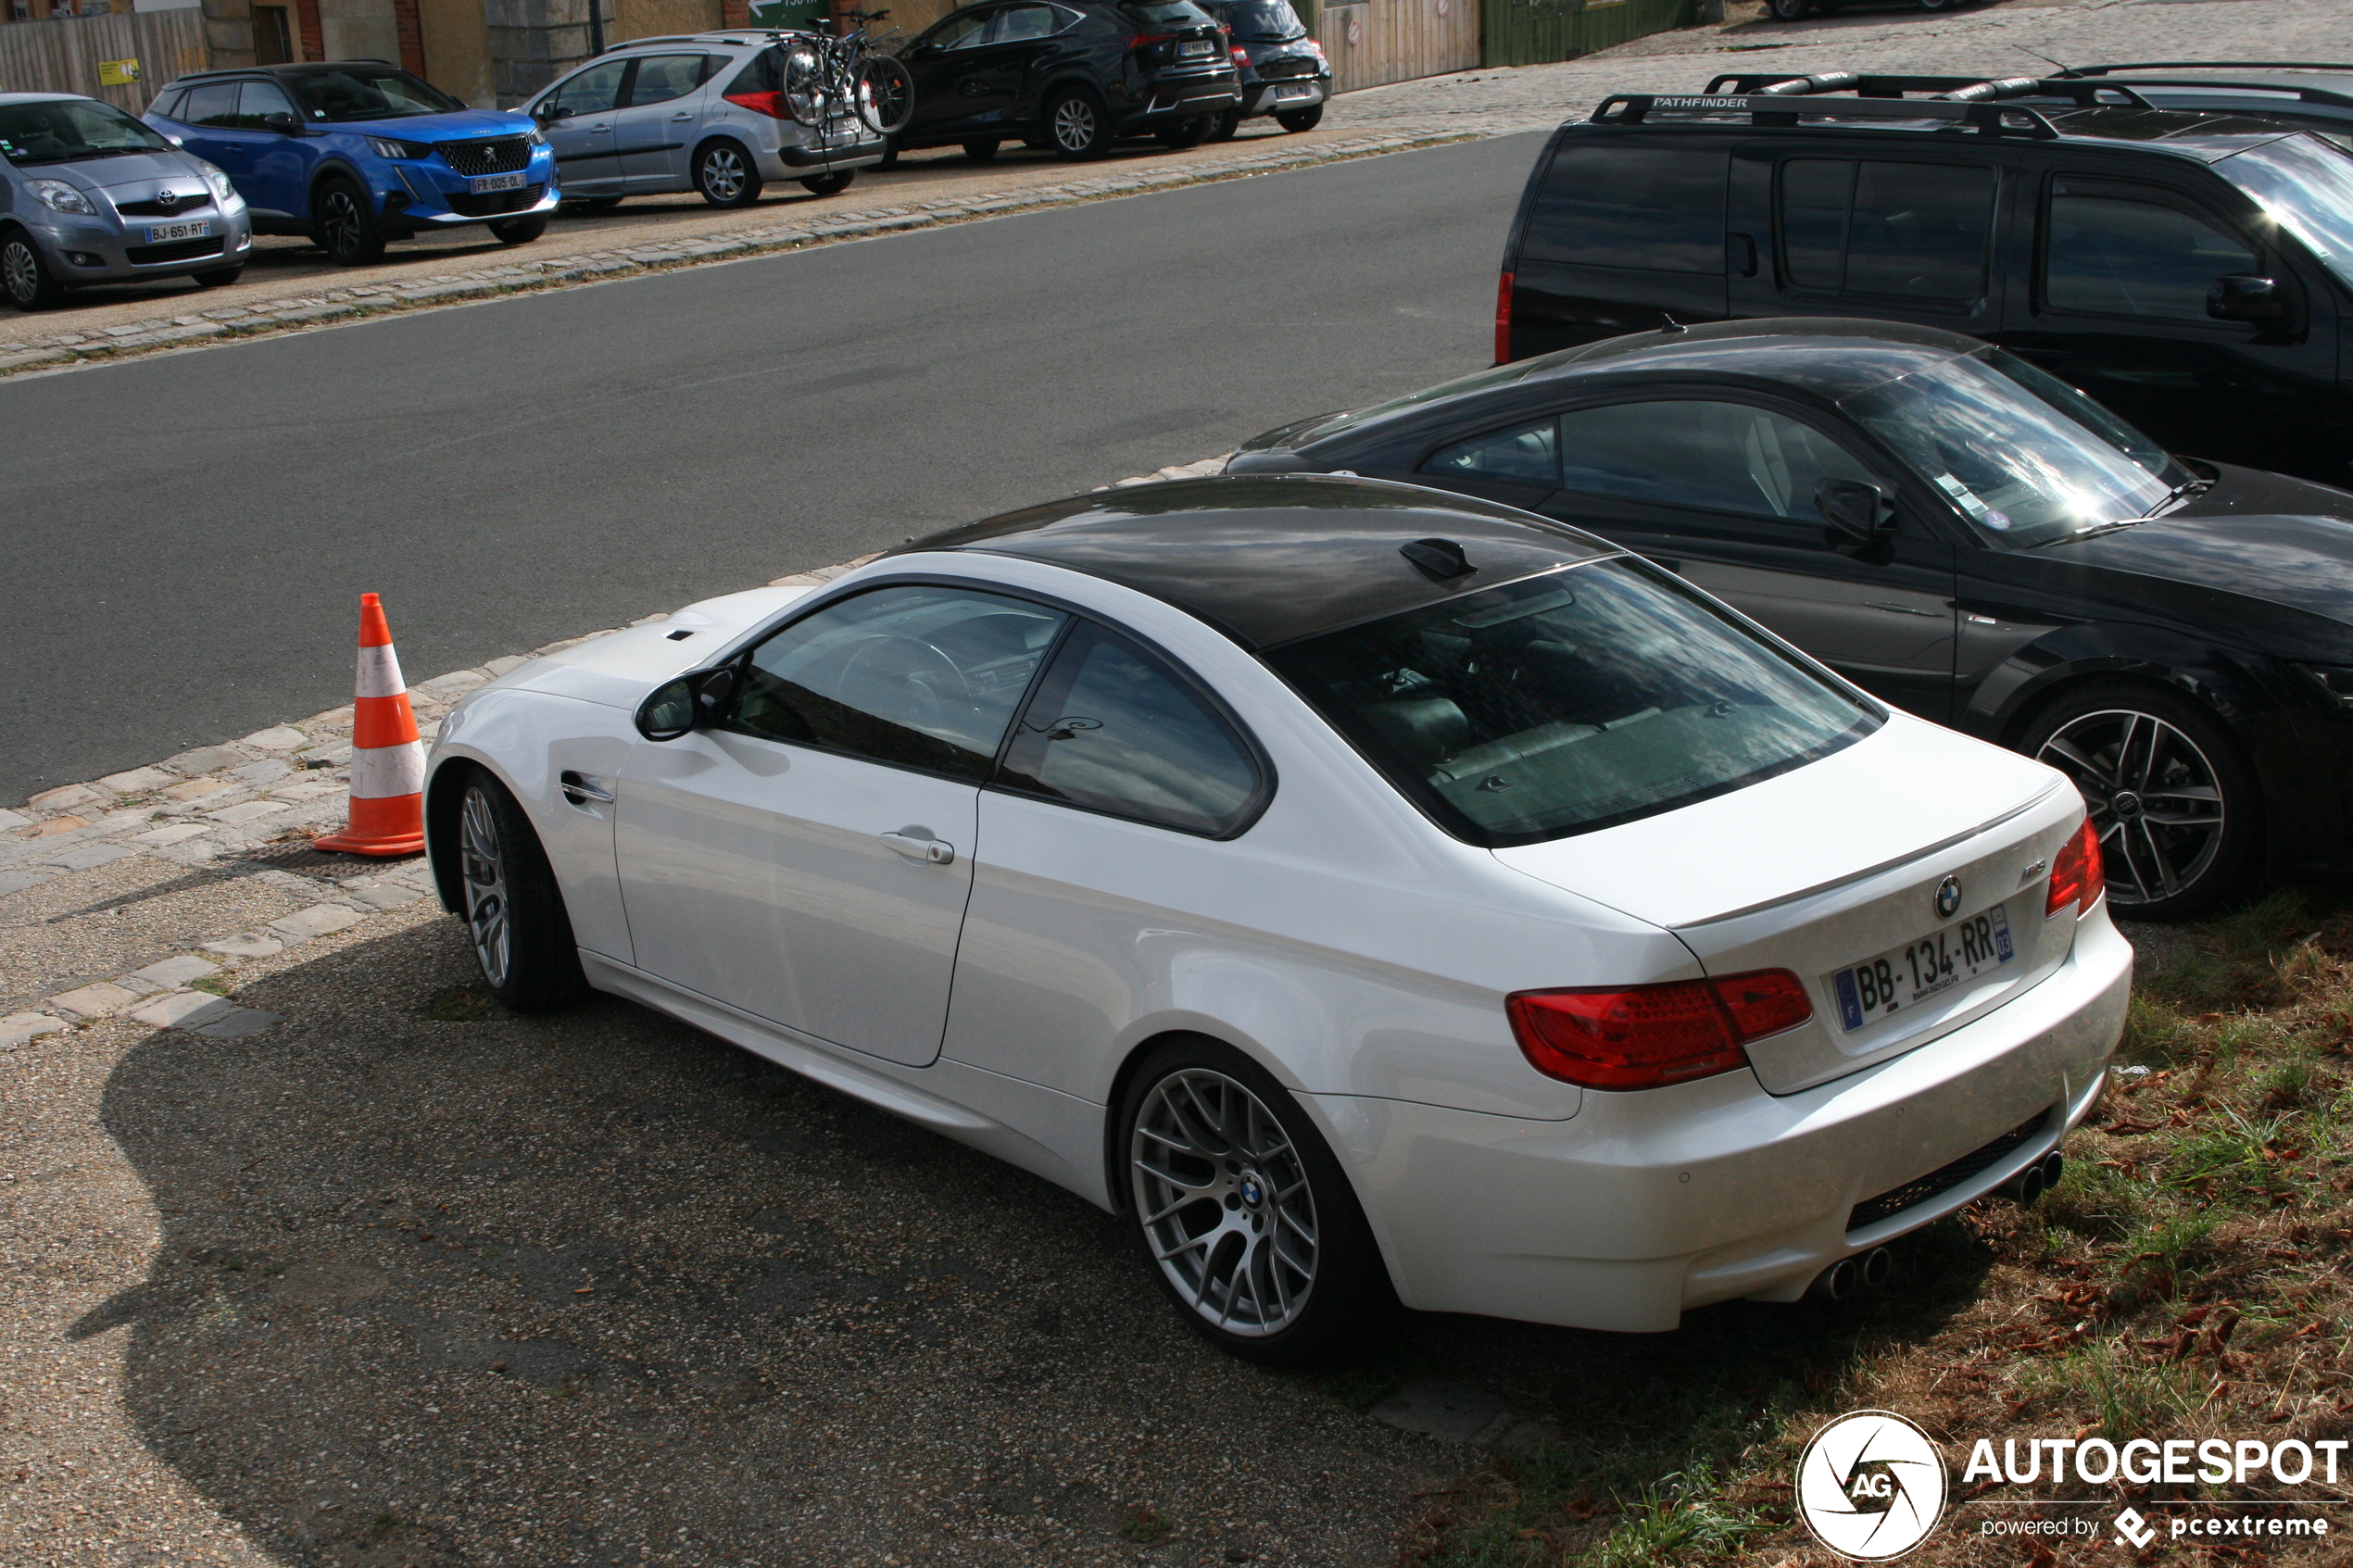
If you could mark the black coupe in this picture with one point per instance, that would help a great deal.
(1962, 535)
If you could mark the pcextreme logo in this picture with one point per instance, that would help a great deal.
(1870, 1486)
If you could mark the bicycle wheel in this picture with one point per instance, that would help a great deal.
(886, 94)
(804, 90)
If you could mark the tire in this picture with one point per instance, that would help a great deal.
(982, 149)
(1223, 125)
(219, 277)
(1791, 10)
(1078, 124)
(829, 184)
(725, 174)
(1270, 1258)
(886, 95)
(24, 273)
(344, 225)
(1296, 121)
(514, 913)
(1187, 132)
(519, 231)
(2126, 744)
(890, 153)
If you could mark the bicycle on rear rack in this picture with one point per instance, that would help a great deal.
(832, 79)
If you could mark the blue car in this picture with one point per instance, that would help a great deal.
(354, 152)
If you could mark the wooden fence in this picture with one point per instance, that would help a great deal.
(1373, 41)
(1527, 32)
(86, 55)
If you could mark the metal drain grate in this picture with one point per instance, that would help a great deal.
(298, 856)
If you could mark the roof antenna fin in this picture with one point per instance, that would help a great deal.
(1441, 560)
(1668, 323)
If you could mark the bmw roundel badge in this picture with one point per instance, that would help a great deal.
(1948, 898)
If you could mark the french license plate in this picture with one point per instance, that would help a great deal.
(1917, 971)
(164, 234)
(483, 185)
(1195, 49)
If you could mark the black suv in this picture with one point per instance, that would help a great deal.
(2191, 269)
(1069, 76)
(1282, 68)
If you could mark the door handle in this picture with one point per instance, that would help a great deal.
(600, 127)
(681, 119)
(580, 789)
(1740, 254)
(915, 846)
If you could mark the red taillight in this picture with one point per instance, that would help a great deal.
(770, 104)
(1142, 40)
(1644, 1036)
(1240, 55)
(2078, 877)
(1504, 321)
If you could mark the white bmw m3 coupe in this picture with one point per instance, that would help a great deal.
(1372, 894)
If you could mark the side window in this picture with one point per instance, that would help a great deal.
(1902, 231)
(594, 91)
(213, 104)
(2114, 251)
(918, 676)
(1659, 208)
(1022, 24)
(257, 101)
(166, 105)
(664, 77)
(1720, 457)
(1115, 729)
(1521, 455)
(961, 32)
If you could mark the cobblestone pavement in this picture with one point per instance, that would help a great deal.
(288, 286)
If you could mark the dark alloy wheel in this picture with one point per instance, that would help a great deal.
(829, 184)
(1791, 10)
(519, 231)
(1223, 125)
(1077, 122)
(1187, 132)
(1301, 120)
(26, 277)
(1249, 1225)
(982, 148)
(724, 174)
(217, 277)
(514, 911)
(2172, 797)
(346, 225)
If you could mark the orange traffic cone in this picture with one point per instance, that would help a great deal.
(387, 760)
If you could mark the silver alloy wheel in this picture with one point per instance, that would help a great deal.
(1074, 125)
(723, 174)
(20, 270)
(2155, 798)
(339, 222)
(484, 868)
(1224, 1201)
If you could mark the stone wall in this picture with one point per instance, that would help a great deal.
(533, 42)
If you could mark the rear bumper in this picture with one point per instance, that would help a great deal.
(1260, 97)
(1644, 1205)
(1183, 98)
(840, 154)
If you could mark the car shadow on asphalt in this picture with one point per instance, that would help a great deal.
(438, 1283)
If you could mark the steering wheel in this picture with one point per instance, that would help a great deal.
(905, 680)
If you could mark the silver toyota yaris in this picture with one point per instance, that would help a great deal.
(88, 195)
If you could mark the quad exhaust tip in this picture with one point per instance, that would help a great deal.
(2031, 1184)
(1852, 1277)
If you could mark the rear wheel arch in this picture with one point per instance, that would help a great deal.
(1115, 1158)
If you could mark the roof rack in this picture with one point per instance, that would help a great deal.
(1775, 109)
(1952, 89)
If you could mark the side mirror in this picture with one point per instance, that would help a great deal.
(2239, 298)
(282, 123)
(683, 706)
(1857, 512)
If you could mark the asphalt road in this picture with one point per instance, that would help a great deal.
(188, 534)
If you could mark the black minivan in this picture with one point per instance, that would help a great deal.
(2190, 270)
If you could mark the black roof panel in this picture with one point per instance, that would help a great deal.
(1270, 558)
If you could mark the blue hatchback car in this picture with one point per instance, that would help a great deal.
(354, 152)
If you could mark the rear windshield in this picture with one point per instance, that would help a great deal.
(1166, 13)
(1260, 21)
(61, 129)
(358, 91)
(1568, 702)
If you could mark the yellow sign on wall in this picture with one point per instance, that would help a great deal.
(117, 73)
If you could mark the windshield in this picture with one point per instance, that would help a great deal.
(1261, 21)
(1568, 702)
(2306, 183)
(356, 92)
(2025, 455)
(61, 129)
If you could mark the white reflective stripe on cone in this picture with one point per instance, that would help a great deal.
(378, 771)
(380, 673)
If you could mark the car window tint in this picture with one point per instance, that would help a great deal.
(1521, 454)
(1815, 194)
(1116, 729)
(1568, 702)
(1721, 457)
(213, 104)
(1659, 208)
(259, 100)
(2116, 254)
(664, 77)
(594, 91)
(1905, 230)
(1019, 24)
(961, 32)
(920, 676)
(166, 104)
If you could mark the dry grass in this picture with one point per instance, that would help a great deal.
(2188, 1279)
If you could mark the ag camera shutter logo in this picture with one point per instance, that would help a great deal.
(1870, 1486)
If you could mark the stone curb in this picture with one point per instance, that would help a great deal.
(538, 277)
